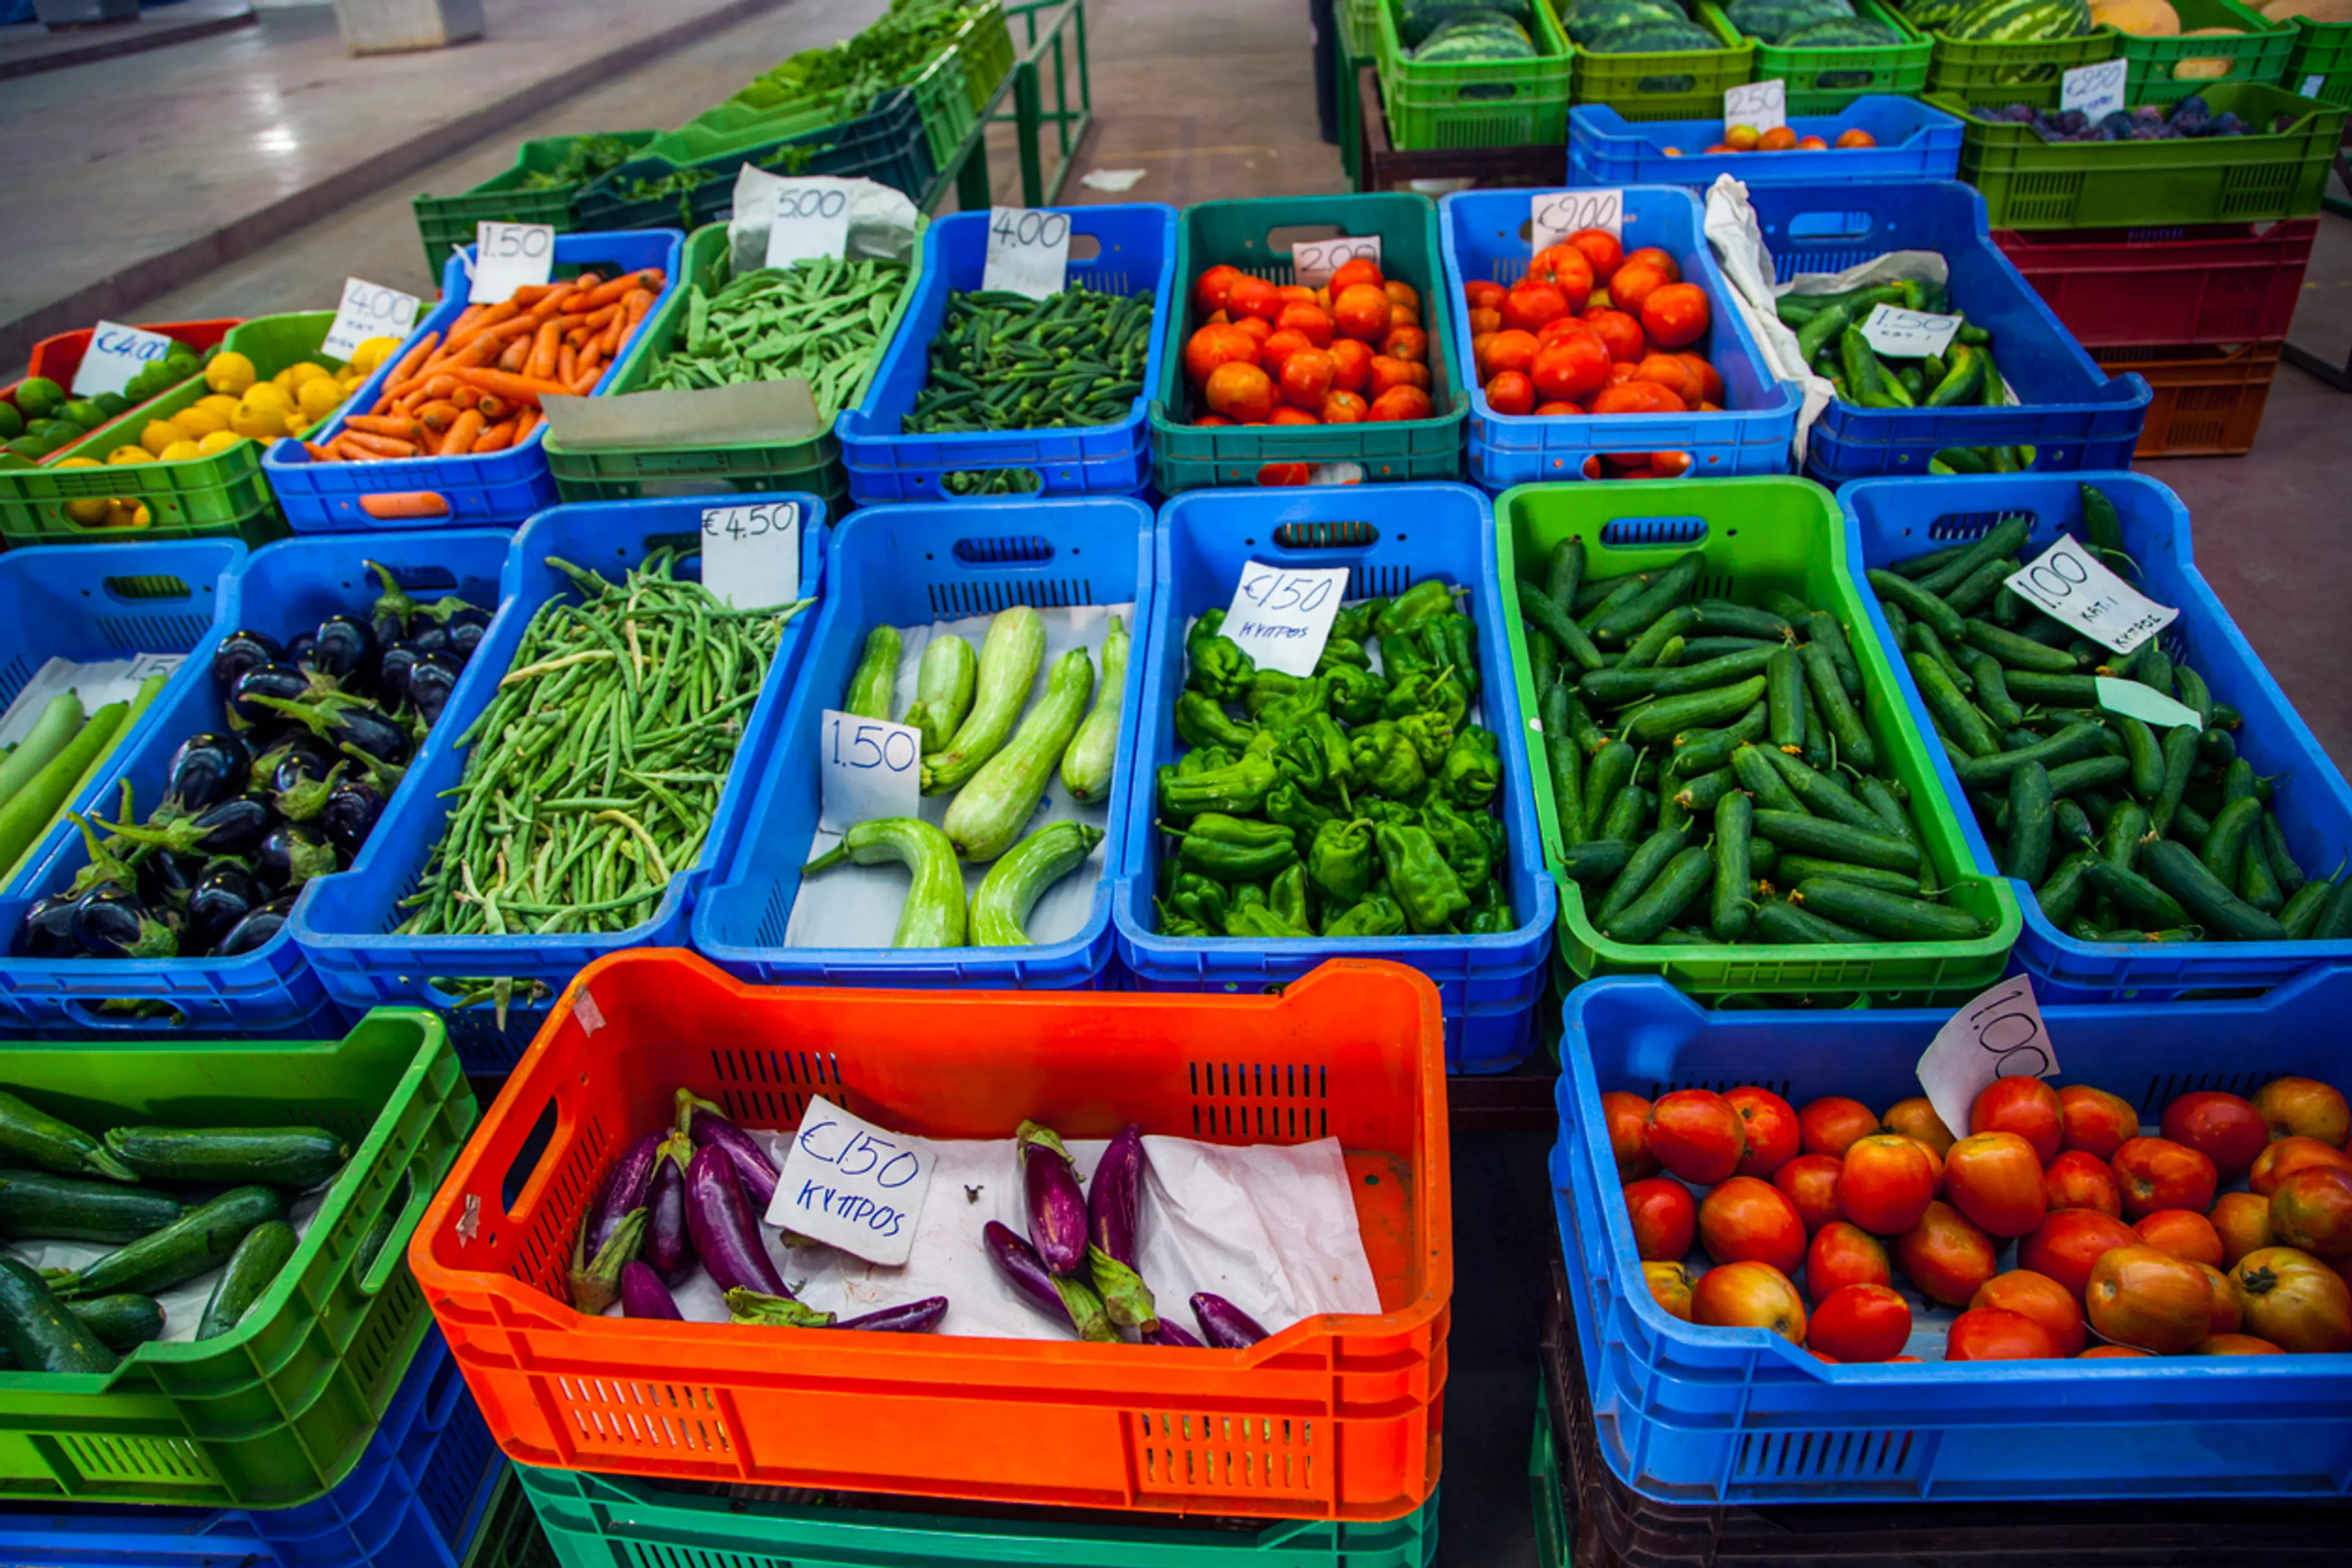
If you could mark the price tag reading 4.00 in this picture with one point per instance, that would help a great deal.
(751, 554)
(1907, 334)
(368, 311)
(1999, 1035)
(508, 257)
(853, 1186)
(1759, 105)
(811, 221)
(116, 354)
(1553, 216)
(2096, 89)
(2070, 583)
(1312, 261)
(1283, 616)
(1028, 251)
(867, 769)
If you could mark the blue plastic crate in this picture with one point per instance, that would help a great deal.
(1137, 255)
(2070, 411)
(906, 566)
(345, 924)
(1695, 1415)
(1485, 236)
(497, 489)
(1914, 142)
(414, 1500)
(282, 589)
(1891, 520)
(1488, 985)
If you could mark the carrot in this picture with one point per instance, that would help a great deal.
(525, 422)
(589, 376)
(591, 362)
(517, 355)
(460, 440)
(376, 425)
(541, 363)
(318, 454)
(465, 397)
(438, 417)
(618, 288)
(521, 388)
(497, 438)
(567, 365)
(382, 446)
(413, 358)
(492, 316)
(493, 407)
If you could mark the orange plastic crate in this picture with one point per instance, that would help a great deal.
(1335, 1417)
(2209, 400)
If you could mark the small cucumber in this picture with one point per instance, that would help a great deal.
(1700, 752)
(1885, 805)
(1665, 719)
(999, 909)
(2209, 900)
(1670, 588)
(2091, 772)
(1918, 604)
(2061, 895)
(874, 682)
(2119, 841)
(198, 1242)
(1723, 618)
(1894, 917)
(2036, 688)
(2226, 838)
(35, 1136)
(1673, 890)
(1563, 573)
(2007, 537)
(1730, 913)
(41, 1334)
(1093, 756)
(2016, 652)
(1953, 713)
(252, 1268)
(1795, 868)
(2147, 757)
(1843, 720)
(1610, 772)
(1631, 807)
(1539, 613)
(2071, 744)
(2301, 916)
(1782, 922)
(2180, 747)
(1992, 690)
(1596, 859)
(2136, 897)
(1784, 698)
(1009, 658)
(2282, 864)
(2255, 883)
(1836, 840)
(1821, 627)
(943, 686)
(1645, 650)
(1565, 760)
(122, 1322)
(1678, 680)
(1821, 794)
(291, 1157)
(1703, 793)
(37, 1207)
(1649, 859)
(2031, 800)
(1762, 780)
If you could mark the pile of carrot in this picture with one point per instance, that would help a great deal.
(478, 390)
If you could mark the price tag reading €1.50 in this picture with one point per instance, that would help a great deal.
(2096, 89)
(1907, 334)
(368, 311)
(1759, 105)
(1028, 251)
(751, 554)
(508, 257)
(115, 355)
(1999, 1035)
(2070, 583)
(868, 769)
(1312, 261)
(1553, 216)
(849, 1184)
(810, 220)
(1282, 616)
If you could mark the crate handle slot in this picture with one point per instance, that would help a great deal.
(524, 1166)
(1084, 246)
(157, 585)
(403, 506)
(390, 1257)
(1279, 240)
(1822, 228)
(1004, 550)
(87, 1014)
(1326, 535)
(1637, 531)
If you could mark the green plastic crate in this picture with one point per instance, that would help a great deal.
(813, 465)
(2320, 65)
(1186, 456)
(1759, 535)
(445, 221)
(1992, 75)
(510, 1535)
(943, 100)
(1359, 27)
(277, 1410)
(2027, 183)
(1680, 84)
(2261, 56)
(1555, 1529)
(1827, 80)
(986, 46)
(603, 1521)
(1476, 103)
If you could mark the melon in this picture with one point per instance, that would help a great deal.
(2140, 18)
(2313, 10)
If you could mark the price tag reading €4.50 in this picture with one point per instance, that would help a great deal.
(1312, 261)
(508, 257)
(849, 1184)
(1553, 216)
(2070, 583)
(1907, 334)
(1759, 105)
(1999, 1035)
(1282, 616)
(368, 311)
(810, 222)
(1028, 251)
(115, 355)
(751, 554)
(2096, 89)
(868, 769)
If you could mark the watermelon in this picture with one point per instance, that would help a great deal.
(1933, 15)
(1658, 38)
(2020, 21)
(1417, 19)
(1476, 35)
(1854, 32)
(1596, 17)
(1769, 19)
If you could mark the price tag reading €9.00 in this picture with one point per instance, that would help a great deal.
(1312, 261)
(1028, 251)
(1907, 334)
(368, 311)
(2070, 583)
(1999, 1035)
(810, 220)
(751, 554)
(868, 769)
(2096, 89)
(1553, 216)
(116, 354)
(1759, 105)
(851, 1184)
(1283, 616)
(508, 257)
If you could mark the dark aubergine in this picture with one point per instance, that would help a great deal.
(282, 681)
(222, 897)
(392, 672)
(297, 649)
(465, 624)
(430, 684)
(1168, 1332)
(352, 808)
(1057, 1204)
(669, 1246)
(343, 720)
(240, 651)
(232, 828)
(292, 760)
(167, 881)
(1113, 1203)
(1226, 1326)
(50, 927)
(256, 928)
(624, 1188)
(1065, 1300)
(113, 923)
(709, 1127)
(643, 1294)
(726, 1232)
(907, 1318)
(289, 854)
(206, 769)
(344, 651)
(389, 616)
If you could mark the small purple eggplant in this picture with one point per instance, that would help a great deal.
(1225, 1325)
(643, 1294)
(1064, 1299)
(624, 1188)
(1166, 1332)
(1113, 1203)
(669, 1247)
(726, 1232)
(596, 1280)
(907, 1318)
(708, 1127)
(775, 1312)
(1058, 1205)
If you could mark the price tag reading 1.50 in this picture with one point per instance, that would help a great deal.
(1282, 616)
(853, 1186)
(1028, 251)
(1312, 261)
(368, 311)
(751, 554)
(1553, 216)
(810, 223)
(867, 769)
(508, 257)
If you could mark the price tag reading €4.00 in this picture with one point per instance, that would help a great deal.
(508, 257)
(1312, 261)
(751, 554)
(1553, 216)
(2071, 584)
(1759, 105)
(868, 769)
(1907, 334)
(810, 222)
(116, 354)
(2096, 89)
(1999, 1035)
(851, 1184)
(368, 311)
(1028, 251)
(1283, 616)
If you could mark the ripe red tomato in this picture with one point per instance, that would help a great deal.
(1676, 315)
(1213, 346)
(1510, 349)
(1670, 1287)
(2229, 1306)
(1811, 1182)
(2305, 1107)
(1559, 408)
(1602, 251)
(1210, 289)
(1747, 1221)
(1664, 1218)
(1210, 419)
(1888, 1183)
(2312, 1212)
(1843, 1254)
(1749, 1296)
(1406, 344)
(1343, 408)
(1627, 1117)
(1567, 268)
(1995, 1179)
(2025, 1106)
(2225, 1129)
(1402, 403)
(1511, 393)
(1991, 1333)
(1247, 296)
(1620, 331)
(1707, 383)
(2294, 1301)
(1258, 327)
(1362, 312)
(1860, 1323)
(1351, 364)
(2138, 1296)
(1636, 396)
(1356, 274)
(1695, 1134)
(1651, 256)
(2184, 1233)
(1483, 293)
(1311, 322)
(1916, 1119)
(1767, 1121)
(1945, 1256)
(2157, 1174)
(1572, 366)
(2079, 1179)
(2242, 1221)
(1306, 378)
(2041, 1299)
(2235, 1344)
(1635, 282)
(2285, 1157)
(1669, 372)
(1285, 415)
(2068, 1242)
(1279, 347)
(1531, 305)
(1241, 392)
(2094, 1120)
(1831, 1124)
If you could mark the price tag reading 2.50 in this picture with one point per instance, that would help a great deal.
(2096, 89)
(508, 257)
(751, 554)
(810, 221)
(1759, 105)
(1283, 616)
(1028, 251)
(1553, 216)
(1312, 261)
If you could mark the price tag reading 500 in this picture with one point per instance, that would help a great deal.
(1555, 215)
(1283, 616)
(868, 769)
(810, 222)
(508, 257)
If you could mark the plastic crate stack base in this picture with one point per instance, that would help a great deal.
(1913, 142)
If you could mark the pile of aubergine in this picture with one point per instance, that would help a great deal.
(318, 731)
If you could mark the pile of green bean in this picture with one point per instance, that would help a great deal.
(1006, 361)
(821, 319)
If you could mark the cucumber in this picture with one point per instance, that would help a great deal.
(1093, 754)
(1703, 792)
(2301, 916)
(2226, 838)
(2180, 747)
(1618, 684)
(988, 814)
(2145, 755)
(2255, 883)
(1564, 573)
(1892, 916)
(196, 1243)
(1725, 618)
(1009, 658)
(1854, 742)
(1627, 813)
(1647, 649)
(1679, 680)
(1610, 772)
(2153, 669)
(2031, 796)
(2062, 893)
(291, 1157)
(2006, 538)
(41, 1334)
(1665, 719)
(252, 1268)
(1822, 628)
(944, 685)
(1596, 859)
(2015, 652)
(2036, 688)
(2282, 865)
(2335, 924)
(1918, 604)
(1925, 640)
(2071, 823)
(1731, 912)
(1704, 751)
(1673, 889)
(1798, 868)
(2119, 840)
(1992, 690)
(874, 682)
(122, 1322)
(2069, 745)
(1981, 585)
(1822, 795)
(1781, 922)
(1649, 859)
(1836, 841)
(34, 1135)
(1542, 614)
(1670, 588)
(1784, 699)
(1765, 781)
(1954, 714)
(2134, 896)
(2091, 772)
(1885, 805)
(2209, 900)
(36, 1205)
(1565, 759)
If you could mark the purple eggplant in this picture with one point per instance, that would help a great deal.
(643, 1295)
(907, 1318)
(240, 651)
(625, 1186)
(596, 1278)
(289, 854)
(256, 929)
(1058, 1205)
(233, 826)
(342, 652)
(1225, 1325)
(1167, 1332)
(205, 770)
(1064, 1299)
(222, 896)
(757, 1307)
(1113, 1202)
(431, 681)
(708, 1127)
(726, 1232)
(352, 809)
(668, 1246)
(50, 927)
(112, 923)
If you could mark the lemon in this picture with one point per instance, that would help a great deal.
(140, 516)
(372, 354)
(160, 434)
(90, 513)
(294, 377)
(319, 397)
(82, 462)
(298, 428)
(229, 372)
(269, 395)
(180, 451)
(198, 422)
(123, 455)
(261, 423)
(219, 441)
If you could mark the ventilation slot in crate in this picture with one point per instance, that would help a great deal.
(1004, 550)
(771, 1089)
(622, 1416)
(1187, 1453)
(954, 601)
(1855, 1456)
(1256, 1102)
(1633, 531)
(1326, 535)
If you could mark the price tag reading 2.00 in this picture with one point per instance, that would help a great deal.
(751, 554)
(1028, 251)
(1554, 215)
(1312, 261)
(810, 221)
(1283, 616)
(508, 257)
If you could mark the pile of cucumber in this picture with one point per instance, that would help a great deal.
(175, 1203)
(1713, 776)
(2123, 835)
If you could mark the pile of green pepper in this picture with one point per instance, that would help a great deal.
(1351, 803)
(1829, 331)
(1004, 361)
(821, 319)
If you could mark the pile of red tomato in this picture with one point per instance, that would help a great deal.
(2126, 1244)
(1351, 353)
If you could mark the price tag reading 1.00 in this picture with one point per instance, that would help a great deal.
(508, 257)
(1553, 216)
(2096, 89)
(810, 223)
(1028, 251)
(1282, 616)
(751, 554)
(851, 1184)
(1312, 261)
(2070, 583)
(368, 311)
(1908, 334)
(1998, 1034)
(1759, 105)
(867, 769)
(116, 354)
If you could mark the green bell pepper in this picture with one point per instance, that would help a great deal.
(1459, 840)
(1239, 788)
(1385, 760)
(1219, 666)
(1356, 694)
(1234, 849)
(1423, 884)
(1377, 915)
(1473, 769)
(1340, 861)
(1201, 720)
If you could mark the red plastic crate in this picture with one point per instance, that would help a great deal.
(56, 358)
(2131, 287)
(1338, 1417)
(2209, 400)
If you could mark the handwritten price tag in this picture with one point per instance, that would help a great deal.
(368, 311)
(1283, 615)
(751, 554)
(1028, 251)
(1553, 216)
(867, 768)
(2070, 583)
(2096, 89)
(1314, 260)
(508, 257)
(1908, 334)
(810, 221)
(851, 1184)
(1759, 105)
(1998, 1034)
(116, 354)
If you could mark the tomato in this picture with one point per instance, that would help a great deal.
(1857, 137)
(2025, 1106)
(1210, 347)
(1284, 342)
(2283, 1157)
(1573, 365)
(2312, 1212)
(1637, 397)
(1994, 1333)
(2225, 1129)
(1510, 349)
(2305, 1107)
(1557, 409)
(1831, 1125)
(1677, 315)
(1814, 144)
(1697, 1134)
(2138, 1296)
(1889, 1182)
(1664, 370)
(1709, 386)
(1627, 1118)
(1212, 419)
(2080, 1180)
(1402, 403)
(2227, 1310)
(1305, 378)
(2184, 1233)
(1861, 1323)
(1356, 274)
(1210, 289)
(1351, 364)
(1308, 322)
(1297, 294)
(2294, 1301)
(1995, 1179)
(1402, 295)
(1409, 343)
(1621, 332)
(1258, 327)
(1619, 372)
(1945, 1256)
(2235, 1344)
(1811, 1182)
(1362, 312)
(1486, 321)
(1651, 256)
(1249, 296)
(2094, 1120)
(1841, 1254)
(1567, 268)
(1635, 282)
(2157, 1174)
(1393, 372)
(2068, 1242)
(1916, 1119)
(1285, 415)
(1602, 251)
(1779, 139)
(2041, 1299)
(1341, 407)
(1769, 1125)
(1670, 465)
(1747, 1221)
(1530, 305)
(1664, 1218)
(2112, 1352)
(1239, 391)
(2242, 1221)
(1670, 1287)
(1484, 294)
(1749, 1296)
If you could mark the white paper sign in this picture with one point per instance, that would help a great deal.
(868, 769)
(1314, 260)
(2312, 84)
(2069, 582)
(850, 1184)
(2130, 698)
(368, 311)
(1282, 616)
(1998, 1034)
(1028, 251)
(1759, 105)
(751, 554)
(2096, 89)
(811, 221)
(1553, 216)
(1907, 334)
(508, 257)
(116, 354)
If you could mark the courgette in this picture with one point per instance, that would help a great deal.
(196, 1243)
(41, 1334)
(121, 1322)
(36, 1205)
(29, 1133)
(943, 686)
(1093, 755)
(1000, 908)
(251, 1269)
(1009, 658)
(874, 682)
(290, 1157)
(988, 814)
(1893, 917)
